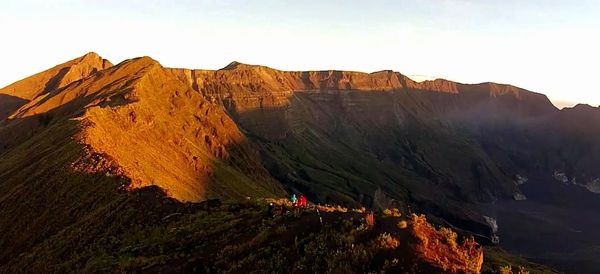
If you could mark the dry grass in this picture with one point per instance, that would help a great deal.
(328, 208)
(508, 270)
(359, 210)
(403, 224)
(387, 241)
(440, 247)
(279, 201)
(393, 212)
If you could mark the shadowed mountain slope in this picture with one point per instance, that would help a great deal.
(452, 150)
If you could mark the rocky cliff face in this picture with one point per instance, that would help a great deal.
(374, 113)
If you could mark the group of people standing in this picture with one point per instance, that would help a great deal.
(297, 202)
(300, 202)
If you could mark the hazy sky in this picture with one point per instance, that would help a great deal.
(546, 46)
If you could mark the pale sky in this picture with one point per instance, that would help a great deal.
(548, 46)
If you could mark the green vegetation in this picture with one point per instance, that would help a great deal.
(499, 261)
(233, 238)
(85, 221)
(227, 181)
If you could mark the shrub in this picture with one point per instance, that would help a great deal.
(505, 270)
(327, 208)
(359, 210)
(341, 209)
(393, 212)
(508, 270)
(370, 219)
(387, 241)
(450, 237)
(440, 247)
(402, 224)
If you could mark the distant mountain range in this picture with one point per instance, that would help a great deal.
(493, 160)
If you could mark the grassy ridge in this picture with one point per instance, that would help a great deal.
(41, 197)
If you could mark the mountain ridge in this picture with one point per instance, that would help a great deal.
(455, 151)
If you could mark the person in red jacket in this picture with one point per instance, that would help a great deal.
(302, 203)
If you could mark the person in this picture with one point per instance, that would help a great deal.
(303, 203)
(295, 209)
(294, 200)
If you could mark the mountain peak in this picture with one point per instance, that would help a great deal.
(134, 65)
(582, 108)
(56, 77)
(233, 65)
(237, 65)
(143, 61)
(91, 54)
(92, 58)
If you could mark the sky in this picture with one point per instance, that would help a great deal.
(549, 46)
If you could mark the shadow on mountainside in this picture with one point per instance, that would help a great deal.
(60, 200)
(18, 130)
(9, 104)
(435, 153)
(66, 208)
(335, 149)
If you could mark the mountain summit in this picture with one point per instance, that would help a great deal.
(15, 95)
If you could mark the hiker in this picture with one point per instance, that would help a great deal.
(294, 200)
(295, 208)
(303, 203)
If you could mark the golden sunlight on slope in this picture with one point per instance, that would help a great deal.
(155, 138)
(164, 133)
(156, 129)
(13, 96)
(57, 77)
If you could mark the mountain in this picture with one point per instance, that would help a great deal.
(59, 166)
(23, 91)
(457, 151)
(89, 149)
